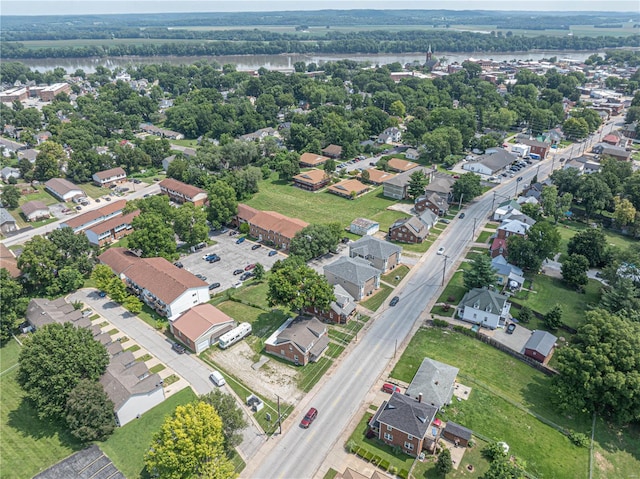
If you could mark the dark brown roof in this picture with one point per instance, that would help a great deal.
(188, 191)
(113, 222)
(118, 259)
(8, 261)
(93, 215)
(106, 174)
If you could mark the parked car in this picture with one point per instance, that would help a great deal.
(217, 379)
(445, 221)
(240, 240)
(308, 418)
(102, 294)
(97, 200)
(108, 198)
(249, 267)
(390, 388)
(78, 207)
(461, 215)
(178, 348)
(146, 195)
(237, 284)
(214, 259)
(201, 276)
(137, 181)
(394, 301)
(273, 252)
(440, 250)
(256, 246)
(511, 328)
(233, 233)
(178, 264)
(214, 286)
(246, 276)
(238, 271)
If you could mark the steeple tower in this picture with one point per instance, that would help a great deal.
(429, 53)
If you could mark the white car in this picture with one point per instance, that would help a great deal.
(440, 250)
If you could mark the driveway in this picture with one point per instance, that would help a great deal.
(232, 256)
(514, 341)
(188, 366)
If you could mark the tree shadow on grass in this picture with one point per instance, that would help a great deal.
(615, 438)
(25, 420)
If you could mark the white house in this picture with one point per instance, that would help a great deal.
(107, 178)
(364, 227)
(520, 149)
(504, 209)
(411, 154)
(63, 189)
(390, 135)
(9, 172)
(484, 307)
(491, 162)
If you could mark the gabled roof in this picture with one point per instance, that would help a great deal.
(90, 216)
(496, 159)
(313, 159)
(41, 312)
(303, 331)
(514, 226)
(122, 380)
(61, 186)
(312, 176)
(114, 222)
(458, 430)
(196, 321)
(483, 299)
(5, 217)
(406, 414)
(353, 270)
(377, 248)
(541, 341)
(413, 224)
(33, 206)
(118, 259)
(515, 215)
(334, 150)
(428, 217)
(434, 198)
(401, 165)
(106, 174)
(402, 179)
(273, 221)
(434, 380)
(379, 176)
(188, 191)
(345, 187)
(504, 268)
(8, 261)
(344, 303)
(440, 183)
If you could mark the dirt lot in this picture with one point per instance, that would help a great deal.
(272, 379)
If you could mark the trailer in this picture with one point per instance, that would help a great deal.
(236, 334)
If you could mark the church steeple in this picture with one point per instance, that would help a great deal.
(429, 53)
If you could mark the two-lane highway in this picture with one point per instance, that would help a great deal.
(299, 453)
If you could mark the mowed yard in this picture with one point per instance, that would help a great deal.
(504, 391)
(323, 207)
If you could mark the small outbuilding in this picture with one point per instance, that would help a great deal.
(457, 434)
(540, 346)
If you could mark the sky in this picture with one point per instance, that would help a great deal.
(58, 7)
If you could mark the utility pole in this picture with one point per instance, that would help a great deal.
(444, 269)
(460, 205)
(395, 349)
(473, 231)
(493, 200)
(279, 417)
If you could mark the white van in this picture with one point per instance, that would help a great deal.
(217, 378)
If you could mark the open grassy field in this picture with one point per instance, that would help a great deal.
(499, 383)
(29, 445)
(128, 444)
(323, 208)
(569, 229)
(550, 291)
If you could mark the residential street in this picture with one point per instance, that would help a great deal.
(299, 453)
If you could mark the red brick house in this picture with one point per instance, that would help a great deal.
(300, 340)
(311, 180)
(340, 311)
(537, 147)
(434, 202)
(181, 192)
(408, 230)
(269, 226)
(404, 422)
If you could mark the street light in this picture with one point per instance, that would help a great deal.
(517, 183)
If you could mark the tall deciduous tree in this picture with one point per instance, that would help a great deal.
(315, 240)
(554, 205)
(624, 213)
(480, 274)
(52, 362)
(13, 304)
(595, 194)
(89, 412)
(599, 370)
(190, 444)
(233, 420)
(545, 239)
(467, 187)
(223, 205)
(523, 253)
(553, 318)
(190, 224)
(590, 243)
(297, 287)
(417, 183)
(102, 276)
(10, 196)
(574, 270)
(48, 161)
(444, 465)
(152, 236)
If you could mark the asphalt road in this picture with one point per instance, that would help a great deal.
(20, 238)
(299, 453)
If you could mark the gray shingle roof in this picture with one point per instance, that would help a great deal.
(5, 217)
(303, 331)
(496, 160)
(434, 380)
(458, 430)
(402, 179)
(413, 224)
(482, 298)
(406, 414)
(541, 341)
(90, 463)
(344, 303)
(368, 245)
(353, 270)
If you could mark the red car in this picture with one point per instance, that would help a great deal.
(390, 388)
(249, 267)
(309, 418)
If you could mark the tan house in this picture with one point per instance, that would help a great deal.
(348, 189)
(201, 326)
(300, 340)
(311, 160)
(311, 180)
(181, 192)
(400, 166)
(269, 226)
(35, 210)
(376, 176)
(332, 151)
(110, 177)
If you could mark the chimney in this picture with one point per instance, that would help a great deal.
(420, 397)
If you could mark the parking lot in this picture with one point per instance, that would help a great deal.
(233, 256)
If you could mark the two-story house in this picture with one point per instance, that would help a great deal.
(379, 253)
(181, 192)
(300, 340)
(269, 226)
(485, 307)
(340, 311)
(355, 275)
(311, 180)
(433, 202)
(110, 177)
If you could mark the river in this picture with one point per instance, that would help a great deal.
(285, 62)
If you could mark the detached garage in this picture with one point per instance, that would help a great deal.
(457, 434)
(201, 326)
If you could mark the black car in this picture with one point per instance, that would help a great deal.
(238, 271)
(273, 252)
(246, 276)
(201, 276)
(178, 348)
(214, 258)
(178, 264)
(214, 286)
(511, 328)
(256, 246)
(461, 215)
(394, 301)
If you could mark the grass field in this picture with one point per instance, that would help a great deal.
(569, 230)
(399, 272)
(323, 208)
(551, 291)
(29, 445)
(128, 444)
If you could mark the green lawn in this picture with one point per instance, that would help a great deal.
(498, 383)
(29, 445)
(263, 323)
(484, 236)
(472, 456)
(551, 291)
(569, 229)
(375, 301)
(323, 208)
(311, 373)
(128, 444)
(454, 289)
(417, 247)
(94, 191)
(398, 272)
(254, 294)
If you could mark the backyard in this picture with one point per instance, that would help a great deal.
(569, 229)
(505, 388)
